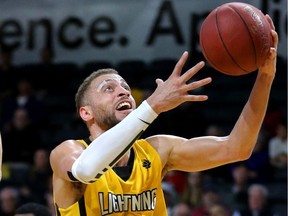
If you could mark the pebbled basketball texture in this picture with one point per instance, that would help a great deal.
(235, 38)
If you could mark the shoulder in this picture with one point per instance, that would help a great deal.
(142, 145)
(67, 146)
(164, 141)
(69, 149)
(164, 144)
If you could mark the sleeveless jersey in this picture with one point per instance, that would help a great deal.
(141, 194)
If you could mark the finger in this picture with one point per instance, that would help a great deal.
(196, 97)
(159, 81)
(274, 53)
(275, 38)
(197, 84)
(270, 21)
(180, 64)
(192, 71)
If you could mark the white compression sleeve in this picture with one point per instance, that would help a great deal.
(110, 146)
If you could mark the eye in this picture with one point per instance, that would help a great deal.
(108, 89)
(126, 86)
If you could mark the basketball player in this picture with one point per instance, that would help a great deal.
(114, 173)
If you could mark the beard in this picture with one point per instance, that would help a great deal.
(105, 119)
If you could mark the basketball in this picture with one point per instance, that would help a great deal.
(235, 38)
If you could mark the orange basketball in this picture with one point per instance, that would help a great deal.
(235, 38)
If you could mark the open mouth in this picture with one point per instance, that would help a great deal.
(124, 106)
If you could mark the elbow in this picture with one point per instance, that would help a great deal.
(237, 157)
(241, 150)
(243, 154)
(84, 175)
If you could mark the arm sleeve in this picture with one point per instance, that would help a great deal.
(109, 147)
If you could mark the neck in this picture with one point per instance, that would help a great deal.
(124, 160)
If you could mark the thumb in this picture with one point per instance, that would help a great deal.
(159, 81)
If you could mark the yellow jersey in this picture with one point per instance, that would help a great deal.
(140, 194)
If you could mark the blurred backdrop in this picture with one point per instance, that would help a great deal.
(48, 47)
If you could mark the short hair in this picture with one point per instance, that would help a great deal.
(80, 97)
(33, 208)
(260, 187)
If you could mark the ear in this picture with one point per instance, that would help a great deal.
(85, 113)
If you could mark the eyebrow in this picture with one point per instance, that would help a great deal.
(106, 81)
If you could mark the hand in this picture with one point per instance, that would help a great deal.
(269, 66)
(175, 90)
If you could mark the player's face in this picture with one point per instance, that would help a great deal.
(112, 100)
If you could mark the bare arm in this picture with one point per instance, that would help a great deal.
(66, 191)
(207, 152)
(69, 157)
(63, 156)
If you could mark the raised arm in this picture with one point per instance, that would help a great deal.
(207, 152)
(70, 161)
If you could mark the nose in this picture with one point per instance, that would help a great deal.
(121, 91)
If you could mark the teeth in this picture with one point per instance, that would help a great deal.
(124, 104)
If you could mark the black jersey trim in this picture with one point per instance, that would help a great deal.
(124, 172)
(82, 208)
(70, 175)
(125, 150)
(57, 210)
(87, 140)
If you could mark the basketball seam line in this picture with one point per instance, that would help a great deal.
(249, 33)
(219, 33)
